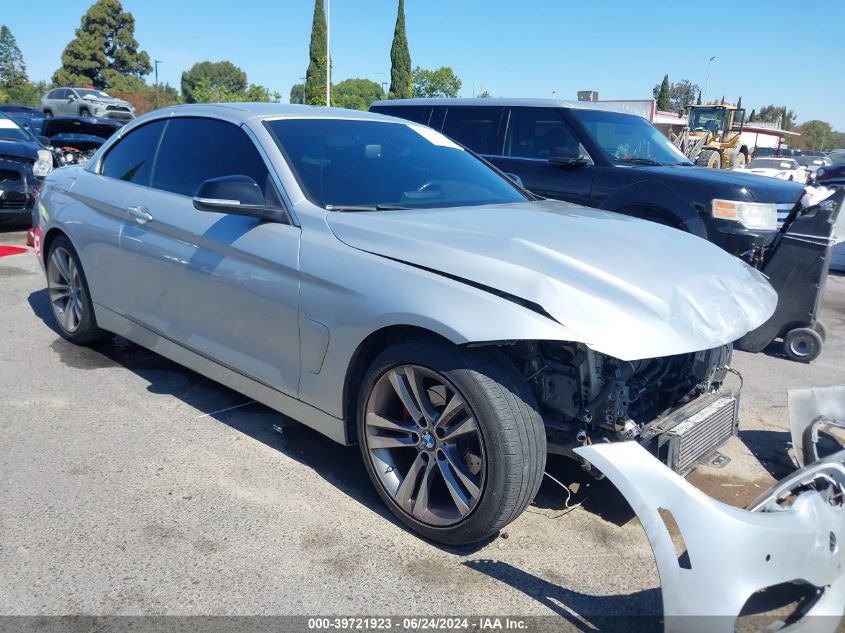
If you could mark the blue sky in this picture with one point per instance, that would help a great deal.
(524, 48)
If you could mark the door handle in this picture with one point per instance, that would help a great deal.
(140, 214)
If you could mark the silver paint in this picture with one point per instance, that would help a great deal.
(733, 553)
(279, 310)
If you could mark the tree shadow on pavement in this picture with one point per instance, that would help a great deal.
(637, 612)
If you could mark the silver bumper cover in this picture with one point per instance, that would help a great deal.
(795, 533)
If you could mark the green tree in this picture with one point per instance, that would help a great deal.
(752, 116)
(484, 94)
(220, 77)
(441, 82)
(681, 94)
(206, 92)
(297, 93)
(663, 95)
(12, 66)
(315, 76)
(104, 49)
(356, 94)
(778, 114)
(698, 100)
(739, 103)
(401, 79)
(815, 135)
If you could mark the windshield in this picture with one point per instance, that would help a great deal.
(99, 94)
(810, 161)
(706, 119)
(629, 138)
(378, 164)
(772, 163)
(11, 131)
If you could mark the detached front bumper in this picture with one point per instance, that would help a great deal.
(723, 559)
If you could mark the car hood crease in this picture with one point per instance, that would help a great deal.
(625, 287)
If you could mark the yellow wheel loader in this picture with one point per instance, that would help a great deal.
(712, 137)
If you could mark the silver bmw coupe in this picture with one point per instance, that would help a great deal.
(378, 282)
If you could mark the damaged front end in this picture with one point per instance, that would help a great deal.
(725, 562)
(678, 406)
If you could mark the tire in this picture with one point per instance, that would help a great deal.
(84, 113)
(709, 158)
(821, 330)
(70, 301)
(802, 344)
(739, 160)
(492, 447)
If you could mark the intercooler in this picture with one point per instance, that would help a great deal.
(695, 432)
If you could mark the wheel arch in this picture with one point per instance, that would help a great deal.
(362, 358)
(48, 239)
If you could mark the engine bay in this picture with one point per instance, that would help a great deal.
(588, 397)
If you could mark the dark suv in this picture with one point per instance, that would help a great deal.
(584, 153)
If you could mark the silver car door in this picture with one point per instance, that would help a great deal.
(224, 286)
(123, 173)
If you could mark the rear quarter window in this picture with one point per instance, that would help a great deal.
(475, 127)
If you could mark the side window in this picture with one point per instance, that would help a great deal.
(417, 114)
(61, 93)
(475, 127)
(195, 150)
(131, 158)
(538, 132)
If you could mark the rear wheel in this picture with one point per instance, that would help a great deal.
(709, 158)
(802, 344)
(739, 160)
(451, 438)
(69, 297)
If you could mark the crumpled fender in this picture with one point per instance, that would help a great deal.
(733, 553)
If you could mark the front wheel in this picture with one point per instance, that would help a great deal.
(451, 437)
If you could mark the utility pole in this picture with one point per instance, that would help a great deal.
(328, 55)
(157, 62)
(707, 81)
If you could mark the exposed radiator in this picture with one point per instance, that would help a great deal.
(699, 435)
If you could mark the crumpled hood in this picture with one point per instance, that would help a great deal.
(625, 287)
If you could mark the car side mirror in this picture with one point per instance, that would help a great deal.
(72, 98)
(568, 157)
(234, 195)
(516, 179)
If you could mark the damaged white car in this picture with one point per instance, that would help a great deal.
(376, 281)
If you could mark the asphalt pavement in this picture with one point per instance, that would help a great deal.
(130, 486)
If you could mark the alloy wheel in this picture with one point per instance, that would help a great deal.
(65, 288)
(424, 444)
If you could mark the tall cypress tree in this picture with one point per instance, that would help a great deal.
(400, 59)
(739, 103)
(663, 102)
(698, 101)
(315, 76)
(12, 66)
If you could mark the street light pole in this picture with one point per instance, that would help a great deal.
(707, 81)
(157, 62)
(328, 54)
